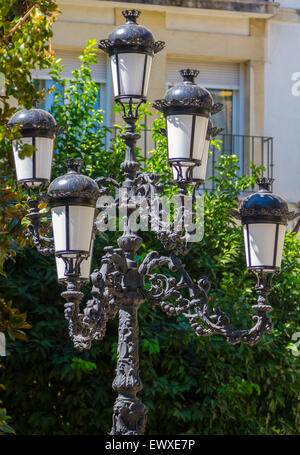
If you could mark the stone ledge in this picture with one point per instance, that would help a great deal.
(247, 6)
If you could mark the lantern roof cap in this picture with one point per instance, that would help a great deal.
(73, 185)
(264, 206)
(189, 97)
(34, 120)
(131, 36)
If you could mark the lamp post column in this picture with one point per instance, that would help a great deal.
(130, 414)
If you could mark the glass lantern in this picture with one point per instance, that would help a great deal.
(131, 48)
(38, 129)
(72, 199)
(264, 217)
(187, 108)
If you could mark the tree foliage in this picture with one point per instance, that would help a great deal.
(25, 31)
(191, 385)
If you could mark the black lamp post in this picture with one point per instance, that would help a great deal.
(121, 284)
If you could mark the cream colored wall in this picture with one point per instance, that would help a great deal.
(196, 33)
(282, 101)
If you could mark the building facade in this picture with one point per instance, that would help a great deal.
(248, 54)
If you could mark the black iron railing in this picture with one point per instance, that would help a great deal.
(249, 149)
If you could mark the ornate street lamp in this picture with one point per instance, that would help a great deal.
(264, 217)
(121, 283)
(73, 198)
(131, 48)
(187, 108)
(38, 128)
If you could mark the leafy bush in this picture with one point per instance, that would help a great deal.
(21, 25)
(193, 385)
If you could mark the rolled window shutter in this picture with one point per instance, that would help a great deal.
(70, 61)
(212, 74)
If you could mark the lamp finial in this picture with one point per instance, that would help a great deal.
(131, 15)
(264, 183)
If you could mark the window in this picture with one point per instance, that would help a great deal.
(225, 82)
(100, 74)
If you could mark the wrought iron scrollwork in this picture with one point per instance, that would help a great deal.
(196, 307)
(43, 243)
(104, 304)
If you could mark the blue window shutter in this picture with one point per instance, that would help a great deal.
(97, 104)
(51, 96)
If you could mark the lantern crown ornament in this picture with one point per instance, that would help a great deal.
(131, 37)
(35, 122)
(264, 206)
(73, 186)
(188, 97)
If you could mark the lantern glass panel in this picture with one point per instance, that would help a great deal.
(131, 74)
(72, 229)
(36, 168)
(186, 136)
(199, 172)
(44, 155)
(264, 244)
(280, 243)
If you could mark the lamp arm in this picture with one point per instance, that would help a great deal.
(166, 292)
(43, 244)
(104, 304)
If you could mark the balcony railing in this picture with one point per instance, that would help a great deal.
(251, 6)
(249, 149)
